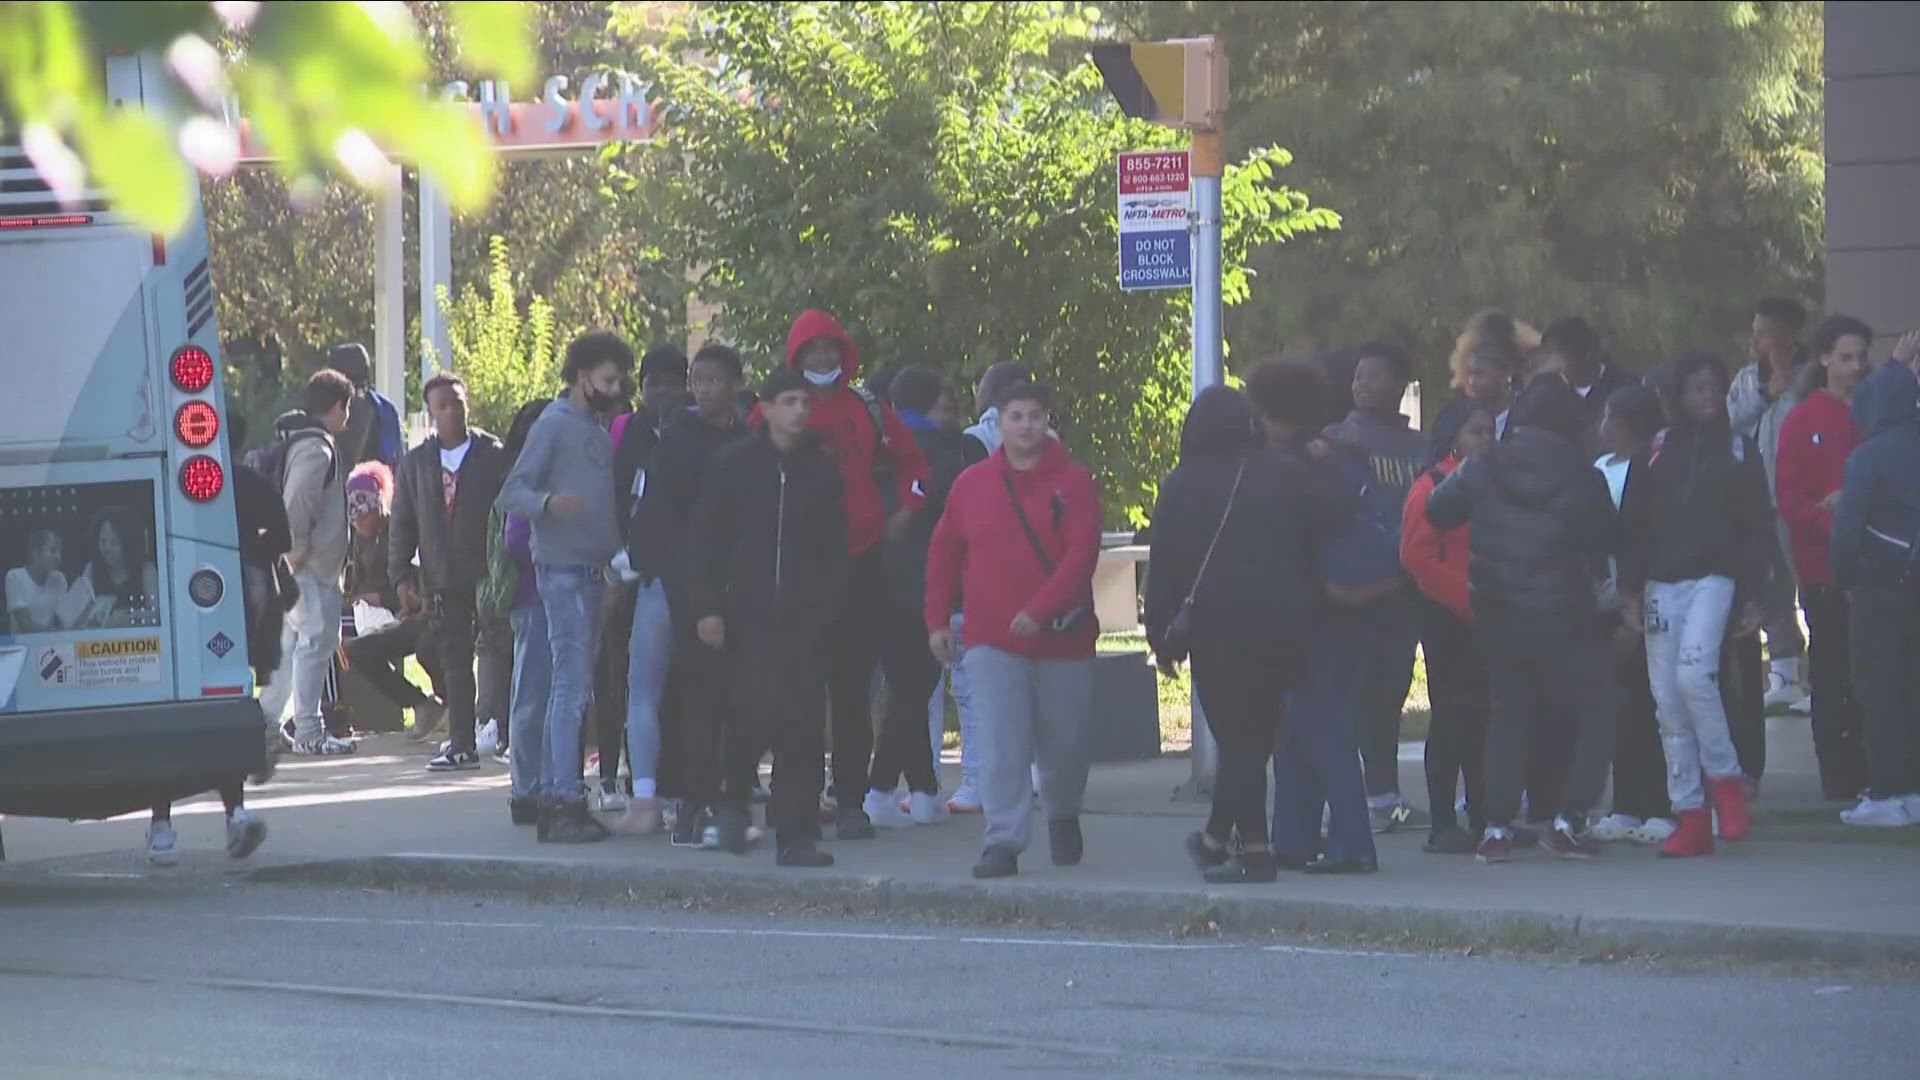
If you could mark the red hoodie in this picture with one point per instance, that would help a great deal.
(1436, 560)
(1811, 464)
(980, 552)
(842, 422)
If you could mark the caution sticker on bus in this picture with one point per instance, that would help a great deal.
(99, 665)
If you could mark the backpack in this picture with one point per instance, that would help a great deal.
(494, 600)
(270, 460)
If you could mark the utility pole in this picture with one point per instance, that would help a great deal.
(1183, 84)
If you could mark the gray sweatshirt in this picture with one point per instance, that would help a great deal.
(568, 452)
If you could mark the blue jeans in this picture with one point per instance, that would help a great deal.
(649, 651)
(1318, 763)
(571, 597)
(527, 715)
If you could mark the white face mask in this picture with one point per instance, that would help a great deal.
(822, 378)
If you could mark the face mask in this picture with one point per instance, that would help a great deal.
(600, 401)
(822, 378)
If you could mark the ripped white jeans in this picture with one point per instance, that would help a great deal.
(1686, 623)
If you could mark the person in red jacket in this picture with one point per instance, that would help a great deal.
(864, 436)
(1810, 467)
(1457, 686)
(1018, 543)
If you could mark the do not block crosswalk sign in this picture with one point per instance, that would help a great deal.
(1156, 251)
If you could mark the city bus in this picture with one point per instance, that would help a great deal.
(124, 679)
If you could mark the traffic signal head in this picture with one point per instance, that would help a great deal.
(1180, 83)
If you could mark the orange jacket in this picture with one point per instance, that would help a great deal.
(1436, 560)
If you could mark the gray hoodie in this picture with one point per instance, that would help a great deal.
(568, 452)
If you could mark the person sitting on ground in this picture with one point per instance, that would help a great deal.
(1542, 526)
(392, 631)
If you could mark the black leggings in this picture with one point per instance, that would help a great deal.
(232, 796)
(1743, 690)
(1242, 697)
(912, 673)
(1836, 716)
(610, 677)
(1639, 758)
(1462, 701)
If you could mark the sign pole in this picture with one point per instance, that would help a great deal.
(1209, 369)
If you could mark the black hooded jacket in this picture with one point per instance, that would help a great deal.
(1263, 581)
(768, 542)
(1543, 524)
(657, 523)
(1700, 509)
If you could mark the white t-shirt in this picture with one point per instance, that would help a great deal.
(40, 601)
(1616, 474)
(451, 460)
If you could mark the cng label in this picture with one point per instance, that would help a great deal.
(100, 664)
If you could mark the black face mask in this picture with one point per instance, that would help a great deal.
(600, 401)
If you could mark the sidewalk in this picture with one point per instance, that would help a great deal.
(1802, 887)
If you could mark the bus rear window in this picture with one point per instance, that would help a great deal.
(79, 557)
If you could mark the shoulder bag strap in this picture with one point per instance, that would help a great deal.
(1026, 525)
(1232, 496)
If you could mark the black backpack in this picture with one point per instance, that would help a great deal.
(270, 460)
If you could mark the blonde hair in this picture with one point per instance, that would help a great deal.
(1489, 324)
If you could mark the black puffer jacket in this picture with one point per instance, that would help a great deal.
(1543, 525)
(768, 542)
(1702, 510)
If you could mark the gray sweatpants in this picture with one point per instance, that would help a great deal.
(1030, 711)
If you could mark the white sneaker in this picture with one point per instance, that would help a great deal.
(966, 800)
(160, 844)
(925, 808)
(487, 739)
(245, 833)
(883, 809)
(1872, 813)
(325, 746)
(1615, 828)
(1785, 696)
(612, 799)
(1654, 830)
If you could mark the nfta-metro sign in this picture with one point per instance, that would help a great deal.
(1156, 251)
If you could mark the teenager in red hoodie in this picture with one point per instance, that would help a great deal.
(1456, 676)
(1018, 544)
(1810, 467)
(861, 434)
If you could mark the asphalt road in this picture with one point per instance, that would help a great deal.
(105, 978)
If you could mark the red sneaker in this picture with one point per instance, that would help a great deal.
(1730, 805)
(1694, 836)
(1495, 849)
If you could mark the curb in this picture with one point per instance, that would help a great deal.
(1099, 909)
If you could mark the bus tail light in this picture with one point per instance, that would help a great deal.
(201, 478)
(192, 368)
(197, 424)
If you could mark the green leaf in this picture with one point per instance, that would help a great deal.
(132, 157)
(496, 37)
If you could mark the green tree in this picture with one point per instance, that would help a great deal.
(1654, 165)
(929, 174)
(507, 355)
(329, 87)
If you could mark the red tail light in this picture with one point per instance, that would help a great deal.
(197, 424)
(201, 478)
(192, 369)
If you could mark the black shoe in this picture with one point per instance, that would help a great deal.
(687, 825)
(996, 862)
(730, 827)
(524, 811)
(572, 824)
(1204, 855)
(1066, 842)
(454, 761)
(802, 853)
(852, 823)
(1248, 867)
(1449, 840)
(1324, 865)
